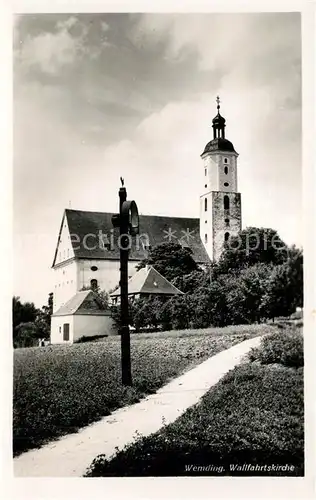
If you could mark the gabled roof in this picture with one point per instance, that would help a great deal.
(84, 302)
(149, 281)
(85, 228)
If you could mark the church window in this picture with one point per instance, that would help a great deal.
(225, 160)
(93, 268)
(205, 204)
(205, 185)
(94, 284)
(226, 236)
(226, 184)
(227, 222)
(60, 329)
(226, 202)
(205, 171)
(226, 170)
(205, 238)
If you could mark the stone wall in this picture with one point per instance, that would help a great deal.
(219, 214)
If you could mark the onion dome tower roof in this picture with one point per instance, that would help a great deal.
(219, 142)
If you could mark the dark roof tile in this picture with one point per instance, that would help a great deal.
(82, 223)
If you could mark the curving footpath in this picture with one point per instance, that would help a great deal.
(71, 455)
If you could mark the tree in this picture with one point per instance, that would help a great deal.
(43, 318)
(171, 260)
(27, 334)
(252, 246)
(245, 290)
(284, 290)
(102, 294)
(188, 283)
(23, 312)
(30, 323)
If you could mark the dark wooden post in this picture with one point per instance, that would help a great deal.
(124, 327)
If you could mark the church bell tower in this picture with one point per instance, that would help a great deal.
(220, 202)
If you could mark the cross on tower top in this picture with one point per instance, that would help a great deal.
(218, 101)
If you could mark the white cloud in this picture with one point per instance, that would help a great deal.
(49, 51)
(67, 24)
(104, 26)
(52, 51)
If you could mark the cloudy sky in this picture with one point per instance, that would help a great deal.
(101, 96)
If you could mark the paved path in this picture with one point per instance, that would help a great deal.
(71, 455)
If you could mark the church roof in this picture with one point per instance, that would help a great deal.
(149, 281)
(159, 229)
(84, 302)
(219, 144)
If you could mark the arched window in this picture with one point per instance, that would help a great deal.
(205, 204)
(226, 236)
(205, 238)
(205, 171)
(226, 170)
(227, 222)
(226, 202)
(225, 160)
(94, 284)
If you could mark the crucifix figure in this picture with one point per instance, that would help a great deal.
(122, 181)
(218, 101)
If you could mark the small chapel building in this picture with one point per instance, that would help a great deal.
(87, 252)
(147, 282)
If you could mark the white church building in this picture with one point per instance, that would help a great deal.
(87, 254)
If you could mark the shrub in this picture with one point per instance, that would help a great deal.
(85, 338)
(285, 347)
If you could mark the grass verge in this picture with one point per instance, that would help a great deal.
(250, 423)
(58, 389)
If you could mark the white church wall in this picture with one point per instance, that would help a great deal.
(211, 171)
(89, 326)
(206, 224)
(64, 248)
(230, 178)
(56, 331)
(107, 273)
(66, 281)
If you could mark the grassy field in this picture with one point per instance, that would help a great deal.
(58, 389)
(254, 415)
